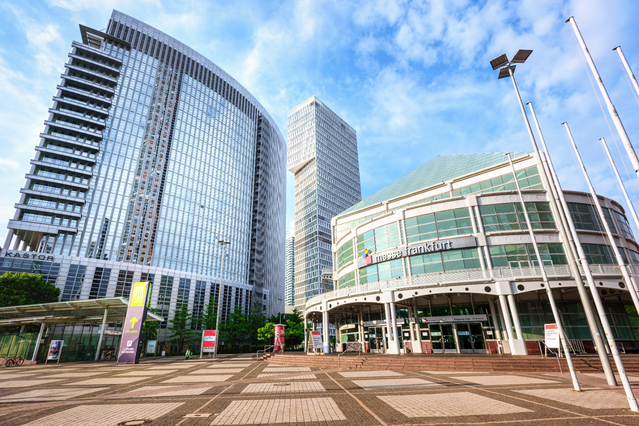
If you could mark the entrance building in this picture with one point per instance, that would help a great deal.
(441, 261)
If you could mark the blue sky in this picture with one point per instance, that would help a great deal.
(412, 78)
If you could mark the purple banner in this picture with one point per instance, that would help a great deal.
(130, 341)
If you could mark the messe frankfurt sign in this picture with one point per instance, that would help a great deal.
(432, 247)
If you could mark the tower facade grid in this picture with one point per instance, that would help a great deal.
(322, 153)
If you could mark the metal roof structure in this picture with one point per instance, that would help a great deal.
(439, 169)
(90, 311)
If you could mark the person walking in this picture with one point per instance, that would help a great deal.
(188, 354)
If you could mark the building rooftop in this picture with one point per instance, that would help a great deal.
(439, 169)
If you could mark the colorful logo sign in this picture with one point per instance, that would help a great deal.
(132, 327)
(208, 341)
(368, 259)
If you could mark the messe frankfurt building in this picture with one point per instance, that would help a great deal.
(444, 254)
(149, 155)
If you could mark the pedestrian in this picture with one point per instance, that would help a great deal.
(188, 354)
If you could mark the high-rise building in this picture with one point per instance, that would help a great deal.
(322, 153)
(289, 267)
(149, 155)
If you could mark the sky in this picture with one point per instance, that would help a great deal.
(412, 77)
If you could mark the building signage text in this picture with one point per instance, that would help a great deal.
(423, 248)
(34, 256)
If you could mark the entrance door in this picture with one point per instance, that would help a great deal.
(376, 336)
(442, 338)
(471, 338)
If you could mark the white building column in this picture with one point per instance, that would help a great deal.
(37, 345)
(388, 329)
(417, 342)
(493, 315)
(519, 342)
(506, 317)
(325, 329)
(394, 349)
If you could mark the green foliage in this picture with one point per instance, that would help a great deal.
(256, 319)
(180, 327)
(26, 289)
(209, 316)
(266, 333)
(235, 328)
(150, 329)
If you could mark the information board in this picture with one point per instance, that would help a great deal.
(55, 350)
(317, 339)
(151, 345)
(208, 341)
(551, 336)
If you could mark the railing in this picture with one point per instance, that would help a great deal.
(464, 276)
(352, 345)
(266, 348)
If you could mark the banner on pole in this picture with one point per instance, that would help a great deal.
(132, 328)
(551, 337)
(317, 339)
(150, 346)
(279, 338)
(208, 341)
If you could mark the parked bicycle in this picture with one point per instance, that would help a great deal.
(11, 362)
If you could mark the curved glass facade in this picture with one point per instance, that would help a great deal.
(150, 155)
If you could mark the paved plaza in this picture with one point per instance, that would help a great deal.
(235, 390)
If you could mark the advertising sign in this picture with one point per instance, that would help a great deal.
(132, 328)
(317, 339)
(151, 345)
(55, 350)
(208, 341)
(552, 336)
(279, 337)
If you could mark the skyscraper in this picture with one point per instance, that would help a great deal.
(322, 153)
(289, 267)
(150, 154)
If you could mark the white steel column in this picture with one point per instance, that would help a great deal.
(395, 344)
(515, 314)
(37, 345)
(506, 317)
(99, 347)
(493, 315)
(418, 331)
(604, 94)
(325, 331)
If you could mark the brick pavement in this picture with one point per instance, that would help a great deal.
(257, 393)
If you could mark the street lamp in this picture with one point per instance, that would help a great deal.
(508, 70)
(219, 298)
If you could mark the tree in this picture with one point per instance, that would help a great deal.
(256, 319)
(26, 289)
(266, 333)
(180, 326)
(236, 327)
(209, 316)
(294, 329)
(150, 329)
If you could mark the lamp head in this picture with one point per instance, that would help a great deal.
(499, 61)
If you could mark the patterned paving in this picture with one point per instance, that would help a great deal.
(168, 391)
(52, 394)
(449, 405)
(15, 376)
(383, 384)
(507, 380)
(285, 369)
(147, 373)
(73, 375)
(172, 366)
(381, 373)
(106, 415)
(107, 381)
(27, 383)
(252, 412)
(284, 387)
(589, 398)
(217, 371)
(304, 377)
(199, 379)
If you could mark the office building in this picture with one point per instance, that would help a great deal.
(289, 267)
(322, 153)
(149, 155)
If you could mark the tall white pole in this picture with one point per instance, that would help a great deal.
(611, 108)
(627, 68)
(104, 318)
(581, 289)
(621, 185)
(551, 298)
(620, 262)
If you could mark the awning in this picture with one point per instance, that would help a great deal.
(88, 311)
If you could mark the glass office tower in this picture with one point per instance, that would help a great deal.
(289, 267)
(150, 154)
(322, 153)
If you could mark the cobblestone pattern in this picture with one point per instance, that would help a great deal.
(106, 415)
(284, 387)
(252, 412)
(198, 379)
(27, 383)
(52, 394)
(167, 391)
(382, 373)
(107, 381)
(305, 377)
(588, 398)
(448, 405)
(503, 380)
(285, 369)
(217, 371)
(383, 384)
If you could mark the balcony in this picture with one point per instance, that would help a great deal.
(99, 64)
(84, 104)
(56, 181)
(41, 227)
(68, 126)
(87, 93)
(93, 50)
(78, 116)
(93, 73)
(66, 155)
(75, 142)
(86, 173)
(57, 196)
(37, 209)
(84, 83)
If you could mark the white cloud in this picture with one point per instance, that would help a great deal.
(9, 164)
